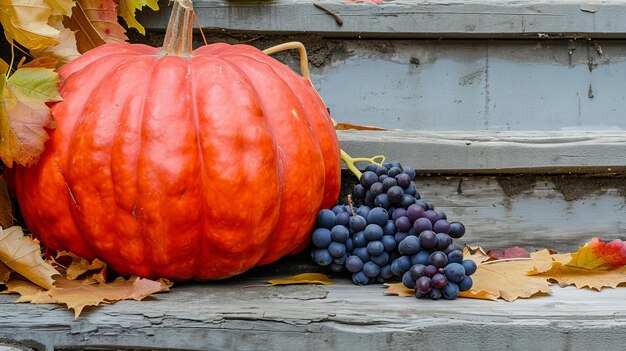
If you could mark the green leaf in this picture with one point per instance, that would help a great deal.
(127, 9)
(24, 113)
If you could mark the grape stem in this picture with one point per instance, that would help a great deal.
(350, 205)
(305, 72)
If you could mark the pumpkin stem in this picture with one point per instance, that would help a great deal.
(350, 161)
(179, 33)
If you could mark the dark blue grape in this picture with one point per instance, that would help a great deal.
(408, 281)
(359, 240)
(439, 280)
(401, 265)
(368, 178)
(381, 259)
(457, 230)
(409, 246)
(407, 200)
(430, 270)
(420, 258)
(325, 219)
(371, 269)
(403, 224)
(387, 165)
(422, 203)
(443, 241)
(469, 266)
(455, 272)
(435, 294)
(412, 231)
(428, 239)
(395, 194)
(340, 233)
(409, 171)
(377, 189)
(441, 215)
(431, 215)
(396, 164)
(389, 242)
(388, 183)
(390, 228)
(382, 177)
(382, 200)
(375, 248)
(385, 272)
(466, 283)
(336, 249)
(394, 171)
(438, 259)
(338, 209)
(378, 216)
(354, 264)
(399, 236)
(411, 190)
(399, 212)
(370, 167)
(422, 224)
(343, 218)
(414, 212)
(349, 245)
(380, 170)
(357, 223)
(456, 256)
(431, 206)
(321, 238)
(373, 232)
(362, 253)
(358, 191)
(423, 285)
(450, 291)
(340, 260)
(359, 278)
(363, 211)
(323, 257)
(452, 247)
(404, 180)
(441, 226)
(417, 270)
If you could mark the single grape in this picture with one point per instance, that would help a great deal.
(357, 223)
(382, 177)
(418, 294)
(441, 215)
(403, 224)
(414, 212)
(407, 200)
(373, 232)
(409, 171)
(377, 189)
(378, 216)
(381, 259)
(452, 247)
(428, 239)
(420, 258)
(340, 233)
(349, 245)
(443, 241)
(370, 167)
(457, 230)
(358, 191)
(430, 270)
(354, 264)
(338, 209)
(394, 171)
(363, 254)
(359, 240)
(435, 294)
(382, 200)
(363, 211)
(399, 212)
(375, 248)
(423, 285)
(385, 272)
(404, 180)
(343, 218)
(396, 164)
(417, 270)
(466, 283)
(422, 203)
(409, 246)
(422, 224)
(390, 228)
(450, 291)
(455, 272)
(321, 238)
(368, 178)
(336, 249)
(430, 205)
(441, 225)
(325, 219)
(437, 259)
(411, 190)
(439, 280)
(337, 268)
(469, 266)
(380, 170)
(389, 242)
(323, 257)
(388, 183)
(399, 236)
(359, 278)
(340, 260)
(456, 256)
(408, 281)
(401, 265)
(431, 215)
(371, 269)
(395, 194)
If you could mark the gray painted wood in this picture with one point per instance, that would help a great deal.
(493, 152)
(241, 315)
(411, 19)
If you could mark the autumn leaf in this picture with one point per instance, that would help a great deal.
(24, 114)
(64, 52)
(304, 278)
(348, 126)
(61, 7)
(26, 22)
(79, 266)
(6, 206)
(509, 252)
(398, 289)
(23, 256)
(95, 23)
(597, 254)
(5, 273)
(28, 291)
(127, 10)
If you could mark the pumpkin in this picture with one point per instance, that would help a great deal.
(168, 162)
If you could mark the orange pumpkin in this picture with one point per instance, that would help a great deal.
(168, 162)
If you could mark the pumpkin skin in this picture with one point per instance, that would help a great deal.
(196, 167)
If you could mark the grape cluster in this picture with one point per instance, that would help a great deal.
(393, 235)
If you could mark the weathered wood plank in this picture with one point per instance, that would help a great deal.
(412, 19)
(493, 152)
(242, 315)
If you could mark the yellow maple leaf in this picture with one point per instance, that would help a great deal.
(95, 23)
(64, 52)
(127, 10)
(61, 7)
(24, 114)
(26, 22)
(28, 291)
(304, 278)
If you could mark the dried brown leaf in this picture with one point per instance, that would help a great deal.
(5, 273)
(304, 278)
(29, 292)
(95, 23)
(79, 266)
(348, 126)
